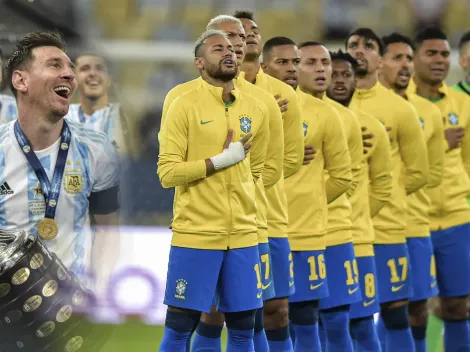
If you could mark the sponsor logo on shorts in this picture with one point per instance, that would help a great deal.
(352, 290)
(291, 283)
(433, 284)
(181, 286)
(259, 295)
(397, 288)
(314, 287)
(265, 287)
(367, 304)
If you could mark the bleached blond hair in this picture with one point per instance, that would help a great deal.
(204, 36)
(213, 23)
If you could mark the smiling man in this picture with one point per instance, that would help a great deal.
(62, 176)
(95, 110)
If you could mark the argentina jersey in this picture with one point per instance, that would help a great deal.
(8, 110)
(107, 120)
(92, 166)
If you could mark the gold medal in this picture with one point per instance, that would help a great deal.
(47, 229)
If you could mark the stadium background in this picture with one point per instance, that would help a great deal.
(149, 45)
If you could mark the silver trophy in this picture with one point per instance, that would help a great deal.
(42, 305)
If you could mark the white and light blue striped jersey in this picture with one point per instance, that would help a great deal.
(107, 120)
(92, 166)
(8, 110)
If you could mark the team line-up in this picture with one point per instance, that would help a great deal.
(315, 189)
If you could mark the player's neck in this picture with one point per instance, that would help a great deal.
(227, 87)
(313, 93)
(89, 106)
(400, 92)
(427, 90)
(251, 69)
(40, 131)
(367, 81)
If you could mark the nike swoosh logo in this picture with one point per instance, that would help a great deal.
(397, 288)
(291, 283)
(265, 287)
(367, 304)
(434, 284)
(205, 122)
(314, 287)
(351, 291)
(259, 295)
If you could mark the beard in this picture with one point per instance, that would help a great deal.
(223, 74)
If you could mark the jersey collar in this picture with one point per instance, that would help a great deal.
(367, 93)
(216, 92)
(413, 88)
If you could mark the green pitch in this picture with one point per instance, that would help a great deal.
(134, 336)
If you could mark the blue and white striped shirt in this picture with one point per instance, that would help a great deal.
(92, 166)
(8, 110)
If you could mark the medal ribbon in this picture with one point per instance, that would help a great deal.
(50, 191)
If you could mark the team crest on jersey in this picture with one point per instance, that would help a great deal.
(453, 119)
(305, 126)
(74, 182)
(245, 124)
(181, 286)
(421, 121)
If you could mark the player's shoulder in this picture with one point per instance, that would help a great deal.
(284, 89)
(423, 106)
(92, 139)
(183, 88)
(5, 135)
(345, 112)
(7, 99)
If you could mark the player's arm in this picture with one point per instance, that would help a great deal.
(336, 156)
(169, 98)
(465, 146)
(380, 172)
(355, 152)
(259, 145)
(436, 150)
(412, 149)
(293, 136)
(173, 170)
(275, 152)
(104, 206)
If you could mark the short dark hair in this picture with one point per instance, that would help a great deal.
(309, 43)
(23, 52)
(464, 40)
(344, 56)
(396, 38)
(245, 14)
(429, 33)
(274, 42)
(369, 34)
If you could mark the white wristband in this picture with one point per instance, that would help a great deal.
(230, 156)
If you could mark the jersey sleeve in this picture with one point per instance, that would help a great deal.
(275, 152)
(104, 197)
(172, 169)
(259, 146)
(293, 136)
(336, 156)
(436, 150)
(380, 172)
(412, 149)
(169, 98)
(355, 152)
